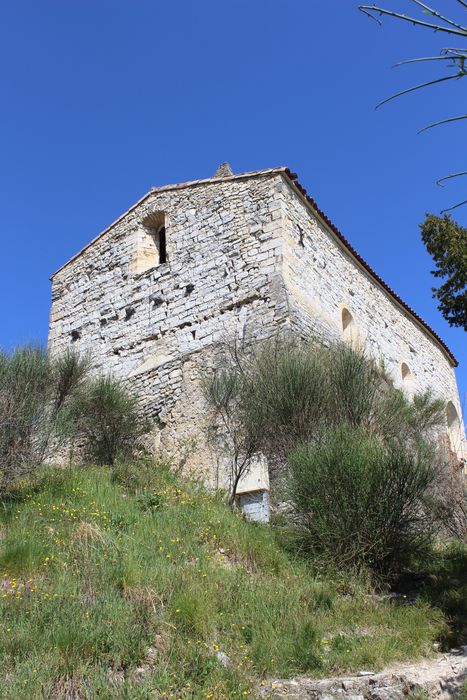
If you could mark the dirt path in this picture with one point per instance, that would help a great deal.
(440, 677)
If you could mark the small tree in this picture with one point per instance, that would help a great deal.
(224, 390)
(108, 420)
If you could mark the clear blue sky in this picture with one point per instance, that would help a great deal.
(100, 100)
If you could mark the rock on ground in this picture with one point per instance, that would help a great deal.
(440, 677)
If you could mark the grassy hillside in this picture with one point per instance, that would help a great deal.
(127, 584)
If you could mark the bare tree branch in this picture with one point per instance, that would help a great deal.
(418, 87)
(443, 121)
(457, 58)
(368, 14)
(449, 177)
(451, 49)
(429, 58)
(435, 13)
(368, 9)
(443, 211)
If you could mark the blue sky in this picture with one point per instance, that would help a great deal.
(101, 100)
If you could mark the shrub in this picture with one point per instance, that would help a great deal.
(280, 394)
(359, 500)
(35, 391)
(108, 420)
(285, 391)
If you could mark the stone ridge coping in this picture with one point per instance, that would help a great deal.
(292, 178)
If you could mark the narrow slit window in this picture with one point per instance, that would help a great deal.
(348, 323)
(162, 245)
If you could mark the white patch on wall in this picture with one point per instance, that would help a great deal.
(253, 491)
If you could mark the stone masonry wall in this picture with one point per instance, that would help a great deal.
(246, 257)
(159, 328)
(322, 279)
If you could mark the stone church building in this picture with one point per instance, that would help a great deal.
(232, 256)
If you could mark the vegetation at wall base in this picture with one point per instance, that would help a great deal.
(364, 467)
(358, 501)
(123, 582)
(108, 420)
(35, 392)
(50, 402)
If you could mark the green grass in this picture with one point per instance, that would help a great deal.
(126, 584)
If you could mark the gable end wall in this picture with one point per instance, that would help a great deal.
(159, 329)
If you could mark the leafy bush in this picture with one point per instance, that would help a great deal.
(360, 501)
(108, 420)
(35, 392)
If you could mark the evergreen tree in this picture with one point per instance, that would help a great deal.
(446, 242)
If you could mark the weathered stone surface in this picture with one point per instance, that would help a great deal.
(246, 256)
(440, 677)
(224, 170)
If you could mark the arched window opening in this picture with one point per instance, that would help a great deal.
(454, 428)
(151, 248)
(451, 415)
(407, 375)
(349, 327)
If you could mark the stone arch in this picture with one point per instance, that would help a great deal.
(406, 373)
(454, 428)
(348, 326)
(407, 379)
(151, 243)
